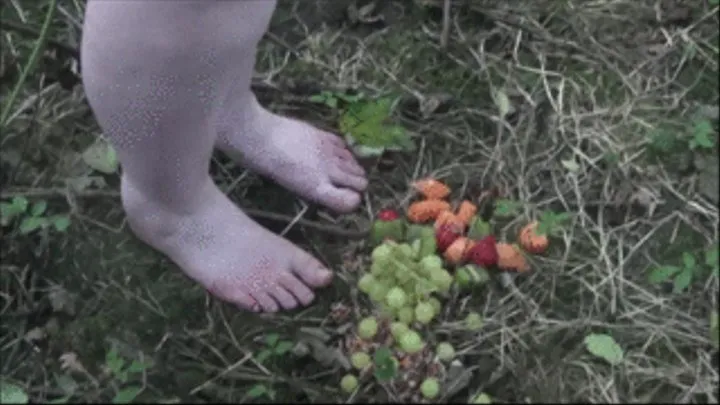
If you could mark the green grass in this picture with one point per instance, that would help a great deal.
(594, 102)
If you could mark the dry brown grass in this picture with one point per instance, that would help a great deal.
(589, 82)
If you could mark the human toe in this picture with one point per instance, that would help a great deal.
(342, 178)
(339, 199)
(301, 291)
(283, 297)
(267, 304)
(310, 270)
(350, 166)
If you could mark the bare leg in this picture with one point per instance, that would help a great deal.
(156, 74)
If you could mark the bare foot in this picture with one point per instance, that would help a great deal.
(217, 245)
(312, 163)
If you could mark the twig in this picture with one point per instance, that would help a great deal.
(444, 36)
(32, 32)
(42, 38)
(253, 212)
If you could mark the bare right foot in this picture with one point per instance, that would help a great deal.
(220, 247)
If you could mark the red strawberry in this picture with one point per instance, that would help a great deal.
(388, 215)
(446, 235)
(483, 253)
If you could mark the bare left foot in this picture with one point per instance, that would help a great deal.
(312, 163)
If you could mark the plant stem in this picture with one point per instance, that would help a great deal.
(34, 56)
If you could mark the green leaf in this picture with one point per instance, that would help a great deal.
(385, 365)
(688, 261)
(272, 339)
(604, 347)
(12, 394)
(6, 213)
(702, 135)
(318, 98)
(114, 362)
(263, 355)
(257, 391)
(682, 280)
(283, 347)
(38, 208)
(101, 156)
(711, 257)
(126, 395)
(506, 208)
(60, 222)
(662, 274)
(136, 367)
(365, 123)
(30, 224)
(21, 203)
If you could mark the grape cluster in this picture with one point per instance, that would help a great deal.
(402, 283)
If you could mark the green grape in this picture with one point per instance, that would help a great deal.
(445, 351)
(430, 388)
(396, 298)
(378, 269)
(424, 312)
(382, 253)
(416, 246)
(367, 328)
(366, 283)
(424, 288)
(436, 304)
(474, 321)
(360, 360)
(481, 398)
(405, 253)
(430, 263)
(403, 275)
(378, 292)
(411, 298)
(398, 329)
(442, 280)
(411, 342)
(405, 315)
(349, 383)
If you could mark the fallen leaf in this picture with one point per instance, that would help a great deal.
(12, 394)
(101, 156)
(35, 334)
(61, 300)
(502, 101)
(69, 361)
(604, 347)
(571, 165)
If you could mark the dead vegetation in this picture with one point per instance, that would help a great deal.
(594, 108)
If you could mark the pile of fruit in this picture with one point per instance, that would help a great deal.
(415, 265)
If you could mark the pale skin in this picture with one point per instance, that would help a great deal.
(169, 82)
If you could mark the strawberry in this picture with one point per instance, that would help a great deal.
(446, 235)
(483, 253)
(388, 215)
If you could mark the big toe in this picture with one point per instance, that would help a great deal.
(339, 199)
